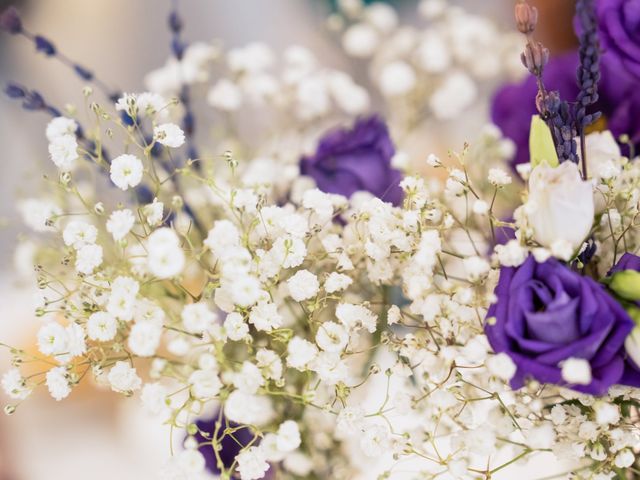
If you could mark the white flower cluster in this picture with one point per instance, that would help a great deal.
(442, 64)
(334, 337)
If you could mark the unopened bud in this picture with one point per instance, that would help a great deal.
(526, 17)
(535, 57)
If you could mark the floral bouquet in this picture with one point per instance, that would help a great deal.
(293, 301)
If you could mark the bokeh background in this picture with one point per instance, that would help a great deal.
(95, 434)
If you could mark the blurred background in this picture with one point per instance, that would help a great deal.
(94, 434)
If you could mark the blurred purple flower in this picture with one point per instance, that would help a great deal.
(356, 159)
(229, 447)
(546, 313)
(619, 29)
(10, 20)
(628, 261)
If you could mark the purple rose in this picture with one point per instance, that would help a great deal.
(619, 28)
(546, 313)
(356, 159)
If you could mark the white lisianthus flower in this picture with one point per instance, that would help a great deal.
(169, 135)
(77, 234)
(126, 171)
(64, 152)
(120, 223)
(303, 285)
(59, 127)
(560, 205)
(252, 464)
(165, 255)
(123, 378)
(57, 383)
(101, 326)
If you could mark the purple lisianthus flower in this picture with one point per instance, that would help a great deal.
(619, 28)
(628, 261)
(349, 160)
(230, 448)
(546, 313)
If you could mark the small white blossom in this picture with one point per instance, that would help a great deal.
(77, 234)
(205, 384)
(225, 95)
(265, 316)
(88, 258)
(101, 326)
(249, 379)
(375, 441)
(235, 326)
(153, 212)
(14, 385)
(501, 366)
(288, 436)
(120, 223)
(169, 135)
(356, 316)
(576, 371)
(144, 338)
(123, 378)
(64, 152)
(165, 258)
(126, 171)
(499, 177)
(624, 459)
(252, 464)
(59, 127)
(337, 282)
(332, 337)
(300, 353)
(303, 285)
(197, 317)
(57, 383)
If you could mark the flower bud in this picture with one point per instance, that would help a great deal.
(626, 284)
(10, 21)
(526, 17)
(535, 57)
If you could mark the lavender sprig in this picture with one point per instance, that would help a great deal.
(178, 47)
(11, 22)
(588, 73)
(553, 110)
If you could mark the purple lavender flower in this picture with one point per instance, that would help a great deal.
(356, 159)
(514, 104)
(619, 28)
(546, 313)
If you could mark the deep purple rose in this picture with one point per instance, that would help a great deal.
(546, 313)
(356, 159)
(619, 28)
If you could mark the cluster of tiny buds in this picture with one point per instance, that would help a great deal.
(526, 18)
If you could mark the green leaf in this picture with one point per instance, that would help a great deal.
(541, 146)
